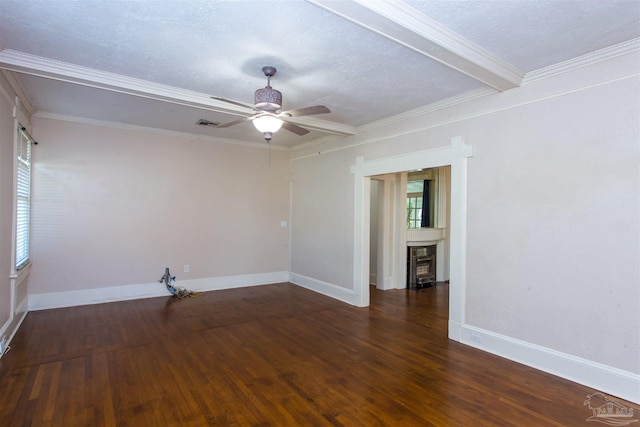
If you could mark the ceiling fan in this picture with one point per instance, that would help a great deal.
(267, 102)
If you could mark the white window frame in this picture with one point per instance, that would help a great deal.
(22, 201)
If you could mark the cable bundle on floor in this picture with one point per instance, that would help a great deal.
(177, 291)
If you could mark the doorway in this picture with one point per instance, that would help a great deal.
(455, 155)
(402, 218)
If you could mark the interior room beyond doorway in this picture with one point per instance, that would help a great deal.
(408, 209)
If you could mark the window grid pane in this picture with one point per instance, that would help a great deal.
(414, 212)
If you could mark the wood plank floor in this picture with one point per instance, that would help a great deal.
(275, 355)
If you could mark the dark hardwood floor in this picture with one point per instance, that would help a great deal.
(275, 355)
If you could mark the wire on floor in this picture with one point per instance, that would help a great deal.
(177, 291)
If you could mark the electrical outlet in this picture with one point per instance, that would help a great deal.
(186, 268)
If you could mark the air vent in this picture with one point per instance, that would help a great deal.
(203, 122)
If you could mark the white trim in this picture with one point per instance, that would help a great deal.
(18, 278)
(439, 156)
(318, 141)
(454, 118)
(390, 191)
(238, 281)
(455, 155)
(614, 381)
(137, 128)
(19, 90)
(361, 237)
(592, 58)
(334, 291)
(373, 279)
(630, 47)
(429, 108)
(14, 215)
(57, 70)
(62, 71)
(18, 314)
(5, 85)
(406, 26)
(148, 290)
(11, 327)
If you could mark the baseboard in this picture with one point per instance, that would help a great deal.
(600, 377)
(10, 328)
(229, 282)
(324, 288)
(148, 290)
(454, 330)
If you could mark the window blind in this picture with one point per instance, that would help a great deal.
(23, 197)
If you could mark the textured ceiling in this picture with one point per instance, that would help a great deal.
(157, 62)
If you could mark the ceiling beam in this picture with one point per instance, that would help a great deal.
(401, 23)
(43, 67)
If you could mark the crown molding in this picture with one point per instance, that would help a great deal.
(316, 142)
(4, 90)
(429, 108)
(62, 71)
(401, 23)
(19, 90)
(592, 58)
(320, 125)
(48, 68)
(147, 129)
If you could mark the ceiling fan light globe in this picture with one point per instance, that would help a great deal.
(267, 124)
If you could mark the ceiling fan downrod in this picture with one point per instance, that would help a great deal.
(267, 98)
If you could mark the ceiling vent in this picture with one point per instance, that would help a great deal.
(203, 122)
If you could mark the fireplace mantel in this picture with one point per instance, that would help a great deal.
(425, 234)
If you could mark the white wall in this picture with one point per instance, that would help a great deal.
(553, 202)
(553, 229)
(322, 221)
(114, 207)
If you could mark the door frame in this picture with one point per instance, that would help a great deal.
(454, 155)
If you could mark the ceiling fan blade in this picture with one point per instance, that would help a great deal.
(294, 128)
(235, 122)
(232, 102)
(307, 111)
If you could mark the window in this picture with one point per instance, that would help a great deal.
(414, 204)
(23, 197)
(422, 198)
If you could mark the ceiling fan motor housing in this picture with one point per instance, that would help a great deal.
(268, 99)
